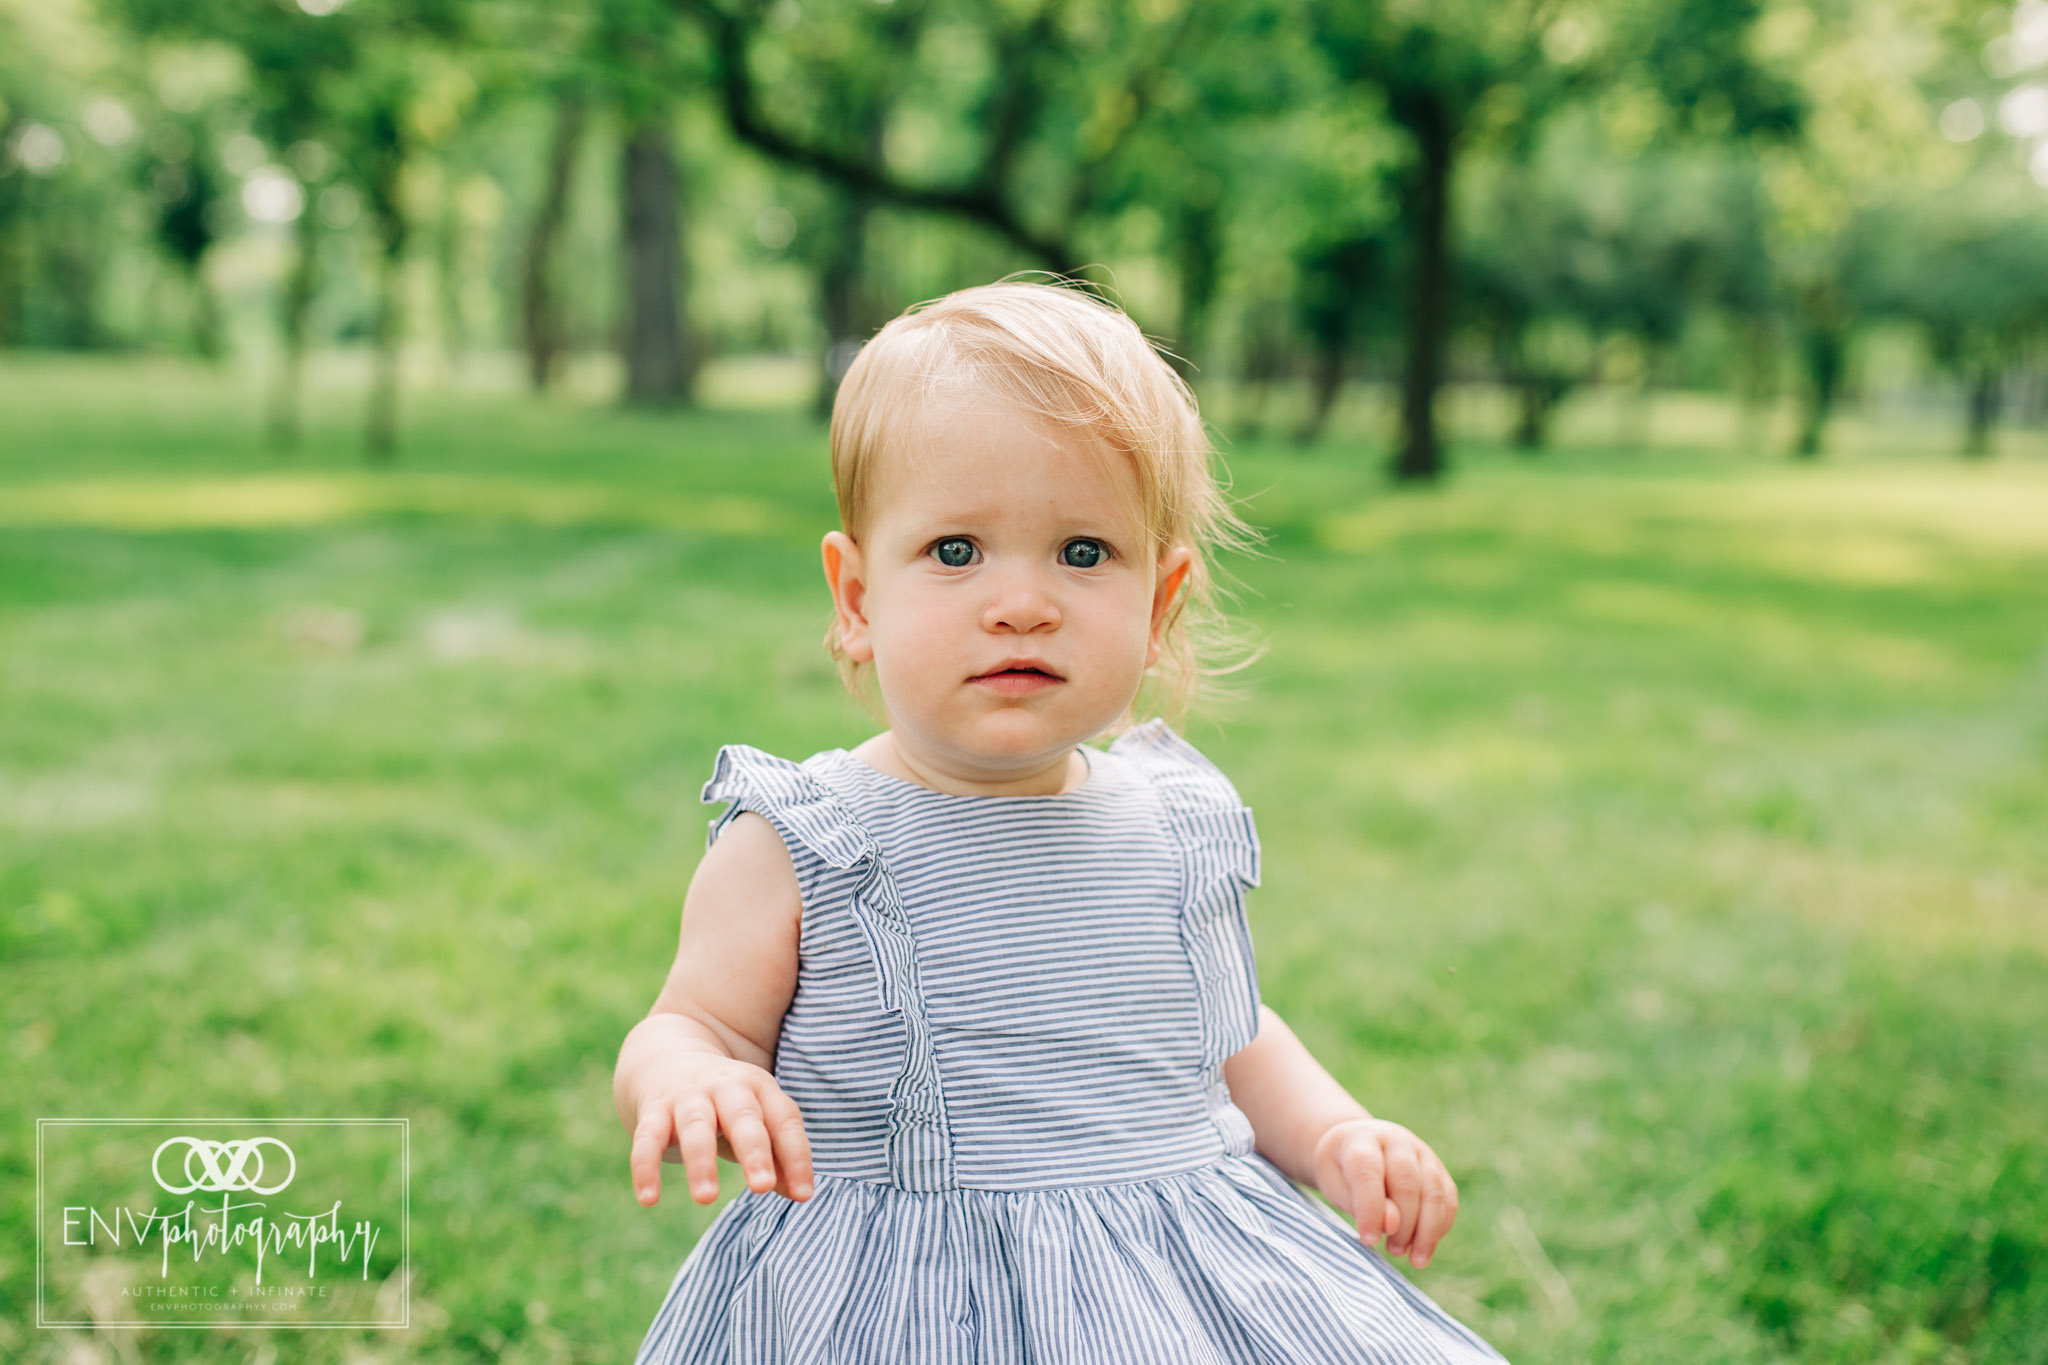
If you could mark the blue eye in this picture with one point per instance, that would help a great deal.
(1083, 554)
(954, 552)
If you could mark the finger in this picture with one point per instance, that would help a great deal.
(1439, 1207)
(650, 1137)
(1365, 1173)
(697, 1136)
(739, 1115)
(792, 1145)
(1404, 1188)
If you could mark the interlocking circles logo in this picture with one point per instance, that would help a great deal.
(223, 1166)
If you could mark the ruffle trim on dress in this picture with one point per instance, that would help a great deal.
(809, 816)
(791, 799)
(1219, 858)
(1224, 1263)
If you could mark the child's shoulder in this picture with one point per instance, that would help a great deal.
(1181, 773)
(799, 799)
(1208, 817)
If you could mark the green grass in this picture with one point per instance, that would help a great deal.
(1661, 835)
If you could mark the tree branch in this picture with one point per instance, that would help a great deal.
(1017, 100)
(1138, 91)
(980, 201)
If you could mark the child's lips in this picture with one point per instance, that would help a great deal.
(1017, 680)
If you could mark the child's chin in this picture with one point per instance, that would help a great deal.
(1013, 733)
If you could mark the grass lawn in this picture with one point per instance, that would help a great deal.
(1664, 836)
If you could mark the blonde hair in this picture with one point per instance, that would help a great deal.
(1073, 359)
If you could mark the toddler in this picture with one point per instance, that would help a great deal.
(973, 1005)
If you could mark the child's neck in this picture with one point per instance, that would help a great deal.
(886, 754)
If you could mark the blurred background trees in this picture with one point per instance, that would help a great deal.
(1536, 199)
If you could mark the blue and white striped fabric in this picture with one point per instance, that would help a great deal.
(1007, 1041)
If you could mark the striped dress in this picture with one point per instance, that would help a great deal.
(1007, 1040)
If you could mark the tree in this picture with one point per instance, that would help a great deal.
(1430, 70)
(1459, 70)
(368, 80)
(1572, 244)
(1064, 90)
(659, 361)
(1196, 178)
(187, 198)
(1531, 264)
(1335, 279)
(63, 180)
(540, 312)
(1976, 283)
(615, 64)
(642, 59)
(380, 144)
(837, 246)
(1873, 142)
(405, 99)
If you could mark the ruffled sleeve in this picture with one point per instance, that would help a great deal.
(1219, 848)
(815, 827)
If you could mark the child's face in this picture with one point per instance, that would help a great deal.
(1005, 590)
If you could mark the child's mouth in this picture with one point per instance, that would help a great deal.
(1017, 679)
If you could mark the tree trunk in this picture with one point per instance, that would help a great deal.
(448, 237)
(841, 305)
(13, 256)
(1426, 205)
(381, 162)
(73, 266)
(296, 307)
(1528, 437)
(1263, 360)
(207, 331)
(1824, 348)
(1333, 284)
(1197, 256)
(1326, 379)
(843, 302)
(658, 358)
(1538, 397)
(1637, 405)
(1759, 382)
(1987, 395)
(540, 310)
(380, 432)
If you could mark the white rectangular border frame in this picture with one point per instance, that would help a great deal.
(404, 1127)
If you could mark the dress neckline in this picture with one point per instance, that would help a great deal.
(1088, 787)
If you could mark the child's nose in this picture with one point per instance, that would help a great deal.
(1023, 603)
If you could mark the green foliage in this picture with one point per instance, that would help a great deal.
(1569, 246)
(1976, 280)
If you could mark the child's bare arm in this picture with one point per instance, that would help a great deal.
(1310, 1127)
(694, 1074)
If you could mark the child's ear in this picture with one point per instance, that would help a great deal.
(1174, 566)
(849, 596)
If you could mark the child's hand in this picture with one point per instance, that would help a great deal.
(717, 1106)
(1385, 1179)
